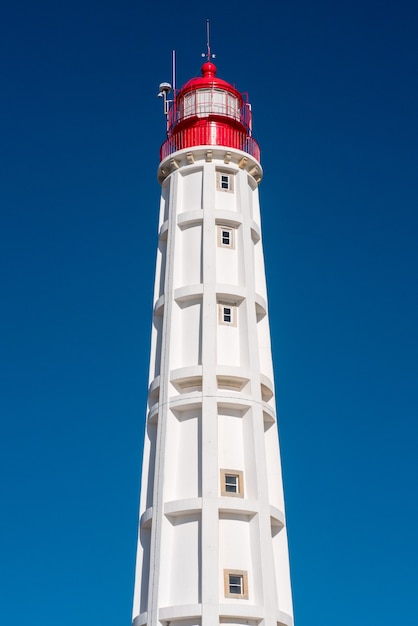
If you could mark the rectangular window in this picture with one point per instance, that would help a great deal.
(236, 584)
(226, 237)
(232, 483)
(224, 181)
(227, 314)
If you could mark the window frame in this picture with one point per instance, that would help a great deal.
(223, 307)
(224, 182)
(229, 181)
(226, 229)
(238, 573)
(239, 475)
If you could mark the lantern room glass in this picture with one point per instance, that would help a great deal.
(204, 102)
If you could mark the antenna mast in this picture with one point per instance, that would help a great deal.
(208, 38)
(208, 54)
(173, 69)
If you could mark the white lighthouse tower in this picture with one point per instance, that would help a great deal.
(212, 544)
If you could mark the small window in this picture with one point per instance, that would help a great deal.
(236, 584)
(225, 181)
(226, 237)
(227, 314)
(232, 483)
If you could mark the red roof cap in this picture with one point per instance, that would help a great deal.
(208, 79)
(208, 69)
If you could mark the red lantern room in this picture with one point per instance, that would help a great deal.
(208, 111)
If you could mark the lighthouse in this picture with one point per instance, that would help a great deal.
(212, 540)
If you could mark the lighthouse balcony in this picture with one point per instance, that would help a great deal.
(210, 133)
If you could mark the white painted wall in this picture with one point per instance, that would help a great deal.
(235, 551)
(190, 244)
(184, 558)
(191, 336)
(191, 190)
(183, 457)
(224, 199)
(227, 259)
(228, 343)
(230, 443)
(264, 347)
(207, 411)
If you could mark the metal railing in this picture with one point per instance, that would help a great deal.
(186, 139)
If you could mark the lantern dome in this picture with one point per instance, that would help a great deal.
(208, 110)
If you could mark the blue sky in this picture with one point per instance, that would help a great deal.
(335, 97)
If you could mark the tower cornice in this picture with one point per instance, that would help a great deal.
(235, 159)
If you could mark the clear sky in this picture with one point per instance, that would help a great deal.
(334, 92)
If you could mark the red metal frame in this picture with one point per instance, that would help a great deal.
(209, 111)
(203, 135)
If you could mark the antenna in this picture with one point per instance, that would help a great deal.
(173, 69)
(165, 88)
(208, 38)
(208, 54)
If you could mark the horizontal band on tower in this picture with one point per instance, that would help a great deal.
(204, 154)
